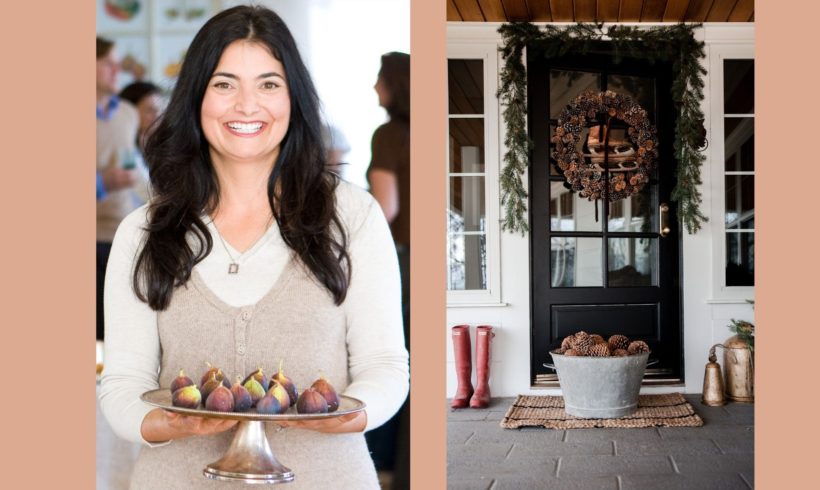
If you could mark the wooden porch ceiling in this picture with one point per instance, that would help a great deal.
(601, 10)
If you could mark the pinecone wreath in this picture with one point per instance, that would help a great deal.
(638, 347)
(618, 342)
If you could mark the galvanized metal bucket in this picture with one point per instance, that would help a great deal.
(600, 387)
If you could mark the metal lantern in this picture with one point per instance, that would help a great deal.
(738, 365)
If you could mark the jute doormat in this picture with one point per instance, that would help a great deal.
(665, 410)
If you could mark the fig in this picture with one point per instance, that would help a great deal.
(187, 397)
(328, 392)
(293, 393)
(255, 390)
(181, 381)
(213, 370)
(209, 387)
(268, 405)
(220, 400)
(259, 376)
(242, 401)
(278, 391)
(311, 401)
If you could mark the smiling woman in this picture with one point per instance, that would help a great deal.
(247, 98)
(304, 270)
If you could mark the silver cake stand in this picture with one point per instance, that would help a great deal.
(249, 459)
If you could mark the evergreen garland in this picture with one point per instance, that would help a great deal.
(667, 43)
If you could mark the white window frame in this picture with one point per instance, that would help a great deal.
(481, 42)
(723, 43)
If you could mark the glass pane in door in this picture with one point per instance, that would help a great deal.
(636, 213)
(575, 262)
(565, 85)
(641, 89)
(632, 262)
(571, 212)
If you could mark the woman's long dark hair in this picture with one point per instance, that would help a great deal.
(300, 191)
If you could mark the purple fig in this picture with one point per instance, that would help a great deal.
(268, 405)
(311, 401)
(213, 370)
(328, 392)
(255, 389)
(181, 381)
(278, 391)
(258, 375)
(242, 401)
(287, 384)
(209, 387)
(187, 397)
(220, 400)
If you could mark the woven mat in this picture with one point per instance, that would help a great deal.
(664, 410)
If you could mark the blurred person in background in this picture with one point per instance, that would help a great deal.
(147, 98)
(389, 179)
(117, 177)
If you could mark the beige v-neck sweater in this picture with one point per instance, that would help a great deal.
(358, 345)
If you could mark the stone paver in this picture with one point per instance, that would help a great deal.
(583, 483)
(482, 455)
(587, 465)
(721, 481)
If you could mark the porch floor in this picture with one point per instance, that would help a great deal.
(720, 455)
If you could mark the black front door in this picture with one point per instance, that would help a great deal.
(603, 267)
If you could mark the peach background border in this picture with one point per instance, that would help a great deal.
(49, 260)
(428, 132)
(788, 400)
(47, 90)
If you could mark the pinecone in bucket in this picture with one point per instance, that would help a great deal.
(620, 353)
(597, 339)
(618, 342)
(566, 344)
(582, 343)
(599, 350)
(638, 347)
(572, 352)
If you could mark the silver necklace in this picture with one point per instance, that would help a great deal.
(233, 267)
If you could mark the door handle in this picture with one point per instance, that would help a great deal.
(664, 212)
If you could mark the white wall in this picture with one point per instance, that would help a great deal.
(706, 312)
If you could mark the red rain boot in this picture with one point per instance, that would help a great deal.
(464, 366)
(481, 397)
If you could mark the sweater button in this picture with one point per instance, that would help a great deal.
(240, 349)
(246, 315)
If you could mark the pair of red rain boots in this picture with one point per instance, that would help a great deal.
(464, 369)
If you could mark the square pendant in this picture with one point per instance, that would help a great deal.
(233, 268)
